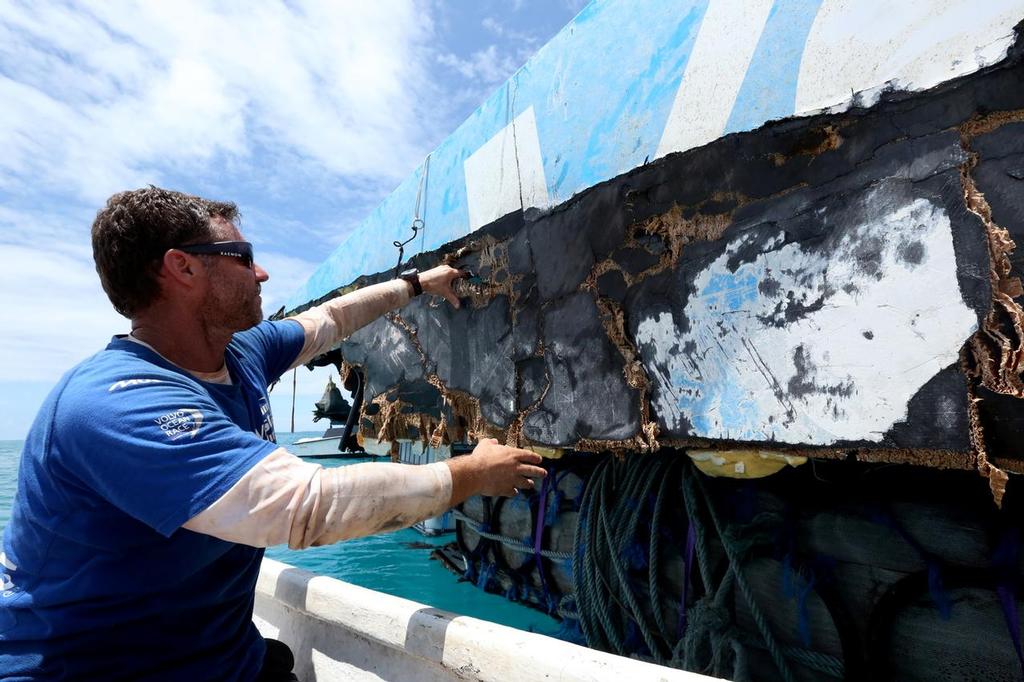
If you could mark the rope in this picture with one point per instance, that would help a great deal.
(618, 499)
(815, 660)
(512, 543)
(615, 563)
(654, 563)
(734, 551)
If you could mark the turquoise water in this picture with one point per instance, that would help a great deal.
(396, 563)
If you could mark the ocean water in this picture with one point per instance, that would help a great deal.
(397, 563)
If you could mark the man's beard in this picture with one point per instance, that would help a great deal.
(233, 310)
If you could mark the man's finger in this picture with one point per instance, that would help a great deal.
(453, 299)
(531, 471)
(527, 456)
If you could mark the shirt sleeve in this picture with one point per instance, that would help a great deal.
(330, 322)
(276, 343)
(161, 452)
(283, 499)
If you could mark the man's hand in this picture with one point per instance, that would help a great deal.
(495, 470)
(438, 281)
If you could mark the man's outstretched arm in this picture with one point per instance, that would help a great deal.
(330, 322)
(284, 499)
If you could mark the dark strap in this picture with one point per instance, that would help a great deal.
(1005, 560)
(691, 545)
(934, 565)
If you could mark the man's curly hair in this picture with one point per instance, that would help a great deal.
(135, 229)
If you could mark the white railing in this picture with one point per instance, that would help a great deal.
(340, 631)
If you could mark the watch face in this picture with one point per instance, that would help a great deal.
(412, 276)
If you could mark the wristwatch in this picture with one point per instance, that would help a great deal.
(412, 276)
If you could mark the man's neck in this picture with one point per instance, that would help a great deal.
(188, 344)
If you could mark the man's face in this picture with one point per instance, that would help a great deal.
(233, 299)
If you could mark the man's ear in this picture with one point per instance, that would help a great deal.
(180, 268)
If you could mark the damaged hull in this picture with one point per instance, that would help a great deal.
(828, 285)
(767, 237)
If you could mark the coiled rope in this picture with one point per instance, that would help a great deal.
(626, 501)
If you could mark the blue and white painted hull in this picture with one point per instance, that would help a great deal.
(773, 231)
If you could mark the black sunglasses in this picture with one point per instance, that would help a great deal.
(240, 250)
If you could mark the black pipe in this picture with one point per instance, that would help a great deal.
(357, 407)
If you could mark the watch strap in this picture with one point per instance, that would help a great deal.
(413, 278)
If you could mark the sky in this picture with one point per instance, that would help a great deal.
(305, 114)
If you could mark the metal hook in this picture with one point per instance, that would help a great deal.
(417, 225)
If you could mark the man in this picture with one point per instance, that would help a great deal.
(150, 479)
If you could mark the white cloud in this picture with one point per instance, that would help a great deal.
(525, 41)
(287, 274)
(55, 313)
(493, 25)
(490, 65)
(49, 228)
(102, 96)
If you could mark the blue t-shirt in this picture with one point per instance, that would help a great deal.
(99, 581)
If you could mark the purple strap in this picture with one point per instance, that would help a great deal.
(792, 589)
(1005, 560)
(1008, 600)
(935, 587)
(691, 544)
(538, 541)
(804, 618)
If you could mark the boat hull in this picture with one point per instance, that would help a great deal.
(318, 447)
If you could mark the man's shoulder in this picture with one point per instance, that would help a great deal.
(115, 373)
(273, 341)
(96, 395)
(265, 331)
(121, 398)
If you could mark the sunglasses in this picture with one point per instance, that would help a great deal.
(240, 250)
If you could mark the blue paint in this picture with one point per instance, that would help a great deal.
(692, 401)
(769, 87)
(554, 187)
(735, 410)
(603, 96)
(714, 400)
(728, 292)
(726, 407)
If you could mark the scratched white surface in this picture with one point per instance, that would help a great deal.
(735, 375)
(506, 173)
(719, 61)
(863, 46)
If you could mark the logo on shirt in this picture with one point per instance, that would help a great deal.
(6, 581)
(266, 430)
(183, 422)
(125, 383)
